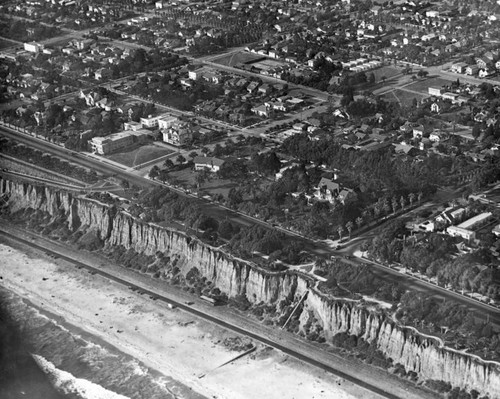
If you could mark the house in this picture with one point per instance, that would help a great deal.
(436, 107)
(482, 62)
(252, 87)
(211, 163)
(347, 195)
(451, 96)
(165, 122)
(472, 70)
(261, 110)
(435, 91)
(102, 73)
(484, 73)
(265, 89)
(458, 67)
(178, 133)
(328, 190)
(496, 230)
(436, 136)
(418, 131)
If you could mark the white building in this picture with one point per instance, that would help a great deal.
(33, 47)
(210, 163)
(118, 141)
(466, 229)
(166, 122)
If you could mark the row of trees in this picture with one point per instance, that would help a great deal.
(47, 161)
(433, 257)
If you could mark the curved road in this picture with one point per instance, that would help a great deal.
(482, 311)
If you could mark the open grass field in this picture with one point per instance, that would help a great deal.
(403, 97)
(214, 185)
(139, 155)
(236, 58)
(422, 86)
(7, 43)
(387, 71)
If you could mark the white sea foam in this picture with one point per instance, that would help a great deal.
(69, 384)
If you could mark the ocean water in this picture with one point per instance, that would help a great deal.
(81, 367)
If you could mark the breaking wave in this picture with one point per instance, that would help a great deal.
(68, 384)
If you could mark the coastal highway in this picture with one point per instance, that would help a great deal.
(376, 381)
(318, 248)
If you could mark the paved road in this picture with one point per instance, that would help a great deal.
(318, 248)
(379, 383)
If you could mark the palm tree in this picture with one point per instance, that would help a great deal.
(394, 204)
(359, 222)
(349, 226)
(340, 230)
(411, 197)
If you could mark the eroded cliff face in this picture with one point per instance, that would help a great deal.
(236, 277)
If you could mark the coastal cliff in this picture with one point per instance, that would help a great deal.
(235, 277)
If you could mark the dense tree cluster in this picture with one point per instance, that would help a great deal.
(452, 321)
(355, 280)
(141, 60)
(374, 172)
(24, 31)
(162, 205)
(436, 257)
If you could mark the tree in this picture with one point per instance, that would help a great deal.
(394, 204)
(422, 73)
(340, 230)
(349, 226)
(193, 154)
(226, 229)
(476, 131)
(359, 222)
(384, 78)
(371, 78)
(411, 198)
(169, 164)
(402, 201)
(154, 172)
(200, 179)
(125, 184)
(180, 159)
(205, 150)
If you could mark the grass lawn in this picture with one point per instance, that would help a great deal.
(403, 97)
(139, 155)
(212, 186)
(235, 58)
(422, 86)
(7, 43)
(387, 71)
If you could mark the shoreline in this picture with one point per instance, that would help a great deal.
(298, 367)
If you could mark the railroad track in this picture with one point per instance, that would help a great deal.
(199, 313)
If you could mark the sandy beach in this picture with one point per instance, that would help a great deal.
(170, 341)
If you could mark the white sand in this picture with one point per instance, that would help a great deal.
(172, 342)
